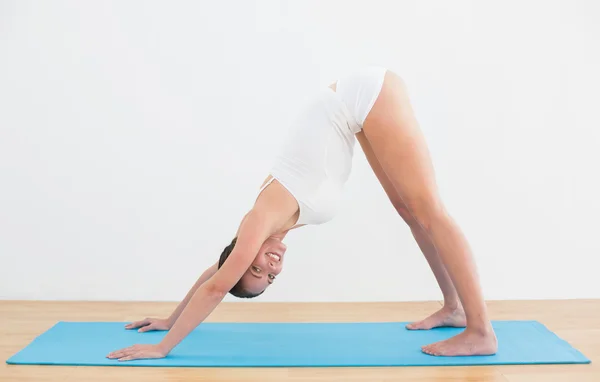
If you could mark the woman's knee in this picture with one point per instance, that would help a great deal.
(405, 214)
(426, 213)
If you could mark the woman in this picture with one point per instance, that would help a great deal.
(304, 187)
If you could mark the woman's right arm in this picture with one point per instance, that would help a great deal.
(149, 324)
(206, 275)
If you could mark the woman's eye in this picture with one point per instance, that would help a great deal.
(256, 269)
(272, 277)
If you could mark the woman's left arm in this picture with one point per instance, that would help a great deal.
(254, 230)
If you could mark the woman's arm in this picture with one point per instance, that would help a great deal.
(204, 277)
(149, 324)
(254, 230)
(273, 209)
(252, 234)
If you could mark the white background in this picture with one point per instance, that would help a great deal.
(135, 135)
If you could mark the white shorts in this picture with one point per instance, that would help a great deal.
(359, 91)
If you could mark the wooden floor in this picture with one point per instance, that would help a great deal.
(577, 321)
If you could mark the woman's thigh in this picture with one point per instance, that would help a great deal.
(385, 182)
(398, 145)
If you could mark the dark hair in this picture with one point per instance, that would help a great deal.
(237, 290)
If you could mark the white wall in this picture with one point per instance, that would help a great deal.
(134, 136)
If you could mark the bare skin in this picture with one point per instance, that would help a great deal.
(397, 153)
(272, 215)
(396, 142)
(452, 314)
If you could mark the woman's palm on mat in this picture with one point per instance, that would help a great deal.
(138, 352)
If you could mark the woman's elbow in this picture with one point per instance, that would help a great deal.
(217, 290)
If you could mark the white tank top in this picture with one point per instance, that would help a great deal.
(316, 160)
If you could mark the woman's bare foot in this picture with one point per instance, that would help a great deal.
(447, 316)
(469, 342)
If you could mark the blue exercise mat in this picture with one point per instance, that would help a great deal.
(292, 345)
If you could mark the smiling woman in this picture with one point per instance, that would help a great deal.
(263, 271)
(304, 187)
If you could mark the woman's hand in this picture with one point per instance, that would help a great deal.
(138, 352)
(150, 324)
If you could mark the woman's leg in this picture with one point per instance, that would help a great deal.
(451, 313)
(395, 137)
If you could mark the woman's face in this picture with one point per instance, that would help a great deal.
(266, 266)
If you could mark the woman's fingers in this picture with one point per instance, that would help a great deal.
(138, 352)
(137, 324)
(123, 352)
(147, 328)
(117, 354)
(129, 357)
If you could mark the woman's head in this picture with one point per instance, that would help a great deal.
(262, 272)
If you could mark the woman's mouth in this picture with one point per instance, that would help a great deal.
(274, 256)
